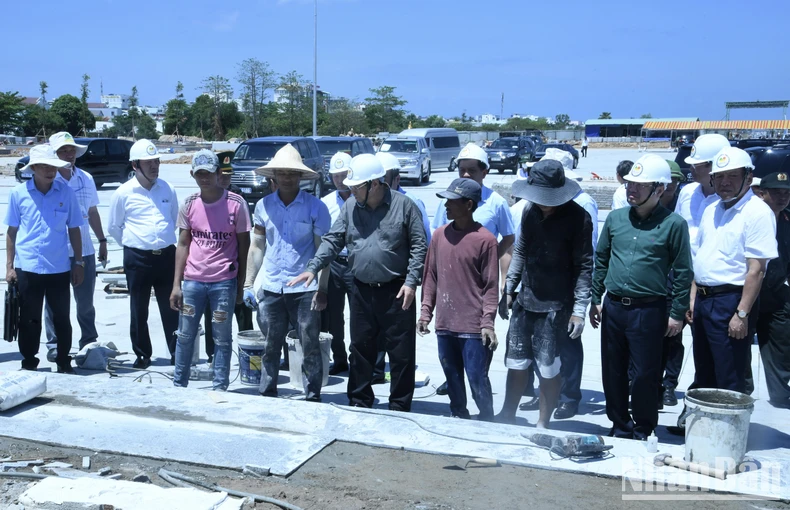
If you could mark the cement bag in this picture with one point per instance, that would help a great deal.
(94, 356)
(19, 387)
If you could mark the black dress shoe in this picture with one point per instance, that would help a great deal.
(442, 389)
(66, 369)
(142, 363)
(669, 397)
(532, 404)
(338, 368)
(566, 410)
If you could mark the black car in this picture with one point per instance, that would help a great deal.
(768, 160)
(106, 159)
(351, 145)
(682, 140)
(257, 152)
(505, 153)
(684, 151)
(541, 151)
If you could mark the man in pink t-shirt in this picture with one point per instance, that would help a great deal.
(212, 250)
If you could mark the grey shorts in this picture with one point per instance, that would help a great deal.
(535, 337)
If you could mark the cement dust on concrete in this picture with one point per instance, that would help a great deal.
(354, 477)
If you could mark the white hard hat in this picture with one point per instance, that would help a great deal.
(364, 168)
(731, 158)
(560, 155)
(705, 148)
(472, 151)
(650, 168)
(143, 149)
(388, 161)
(339, 163)
(756, 181)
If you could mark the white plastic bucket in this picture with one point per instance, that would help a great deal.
(251, 346)
(717, 427)
(296, 357)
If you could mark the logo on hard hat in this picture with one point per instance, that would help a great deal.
(781, 177)
(693, 150)
(465, 151)
(350, 175)
(338, 163)
(226, 161)
(723, 161)
(151, 150)
(636, 170)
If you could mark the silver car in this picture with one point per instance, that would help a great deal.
(413, 155)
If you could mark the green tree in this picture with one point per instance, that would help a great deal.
(605, 115)
(562, 120)
(146, 127)
(201, 117)
(84, 88)
(342, 119)
(176, 113)
(36, 120)
(646, 116)
(133, 113)
(435, 121)
(219, 90)
(42, 90)
(296, 110)
(256, 79)
(72, 111)
(11, 112)
(383, 110)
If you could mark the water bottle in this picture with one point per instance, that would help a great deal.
(652, 443)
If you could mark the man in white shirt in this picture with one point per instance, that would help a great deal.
(143, 214)
(735, 241)
(620, 199)
(85, 189)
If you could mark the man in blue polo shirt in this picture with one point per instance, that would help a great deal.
(43, 216)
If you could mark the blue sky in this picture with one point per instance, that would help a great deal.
(670, 59)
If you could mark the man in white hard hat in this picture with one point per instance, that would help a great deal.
(82, 183)
(43, 216)
(735, 241)
(383, 232)
(492, 212)
(289, 224)
(637, 249)
(143, 214)
(341, 279)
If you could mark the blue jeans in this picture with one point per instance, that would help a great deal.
(221, 297)
(276, 313)
(86, 313)
(457, 353)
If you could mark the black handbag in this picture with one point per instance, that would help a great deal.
(11, 325)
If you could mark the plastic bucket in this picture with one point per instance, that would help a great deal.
(251, 346)
(296, 357)
(717, 427)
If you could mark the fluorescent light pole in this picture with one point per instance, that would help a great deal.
(315, 68)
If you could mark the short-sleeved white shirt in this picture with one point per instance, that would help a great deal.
(691, 203)
(727, 237)
(85, 188)
(620, 198)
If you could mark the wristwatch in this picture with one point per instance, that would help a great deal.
(742, 314)
(80, 263)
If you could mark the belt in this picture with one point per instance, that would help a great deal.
(629, 301)
(718, 289)
(152, 252)
(376, 284)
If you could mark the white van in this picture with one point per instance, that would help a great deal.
(442, 142)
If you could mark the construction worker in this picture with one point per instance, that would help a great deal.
(288, 227)
(384, 235)
(43, 217)
(638, 247)
(773, 323)
(212, 251)
(555, 291)
(341, 279)
(620, 198)
(492, 212)
(461, 282)
(143, 215)
(735, 241)
(82, 183)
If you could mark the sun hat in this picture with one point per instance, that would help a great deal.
(472, 151)
(706, 147)
(64, 138)
(339, 163)
(225, 158)
(287, 158)
(44, 154)
(546, 185)
(205, 159)
(462, 188)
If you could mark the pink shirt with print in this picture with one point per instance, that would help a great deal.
(214, 251)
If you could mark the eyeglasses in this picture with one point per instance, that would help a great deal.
(638, 185)
(357, 187)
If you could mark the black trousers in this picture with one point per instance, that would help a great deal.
(243, 315)
(375, 311)
(636, 334)
(672, 360)
(33, 288)
(773, 335)
(145, 270)
(341, 281)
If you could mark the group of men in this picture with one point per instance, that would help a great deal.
(299, 257)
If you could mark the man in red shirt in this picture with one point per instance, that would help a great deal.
(461, 281)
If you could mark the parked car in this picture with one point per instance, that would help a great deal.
(351, 145)
(413, 155)
(505, 153)
(768, 160)
(541, 151)
(682, 140)
(106, 159)
(684, 151)
(257, 152)
(443, 143)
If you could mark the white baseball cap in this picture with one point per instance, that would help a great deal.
(44, 154)
(705, 148)
(64, 138)
(205, 159)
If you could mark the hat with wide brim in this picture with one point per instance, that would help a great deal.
(63, 139)
(546, 185)
(44, 155)
(287, 158)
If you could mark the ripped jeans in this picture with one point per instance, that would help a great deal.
(221, 298)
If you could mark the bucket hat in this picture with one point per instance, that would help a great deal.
(63, 139)
(287, 158)
(546, 185)
(44, 155)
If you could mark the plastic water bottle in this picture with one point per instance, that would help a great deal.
(652, 443)
(202, 372)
